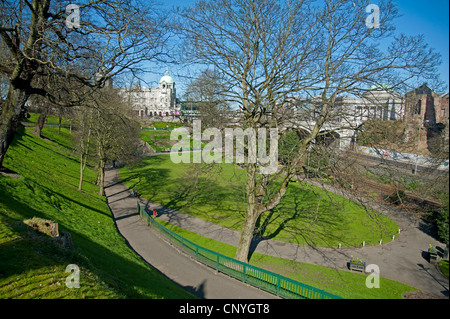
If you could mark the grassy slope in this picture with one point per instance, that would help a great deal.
(33, 267)
(220, 199)
(157, 139)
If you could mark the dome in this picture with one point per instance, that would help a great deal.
(167, 78)
(380, 87)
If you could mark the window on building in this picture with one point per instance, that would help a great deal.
(418, 107)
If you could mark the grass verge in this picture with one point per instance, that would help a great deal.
(443, 266)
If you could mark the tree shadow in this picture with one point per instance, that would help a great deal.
(146, 176)
(300, 221)
(198, 291)
(126, 277)
(199, 188)
(429, 229)
(445, 290)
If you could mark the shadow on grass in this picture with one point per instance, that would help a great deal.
(127, 275)
(194, 190)
(300, 220)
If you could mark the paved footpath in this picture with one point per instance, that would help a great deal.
(196, 278)
(403, 259)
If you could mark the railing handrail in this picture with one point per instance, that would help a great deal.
(261, 278)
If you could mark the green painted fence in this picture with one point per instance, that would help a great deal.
(255, 276)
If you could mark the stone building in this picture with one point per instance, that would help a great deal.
(427, 106)
(427, 112)
(442, 109)
(379, 102)
(156, 103)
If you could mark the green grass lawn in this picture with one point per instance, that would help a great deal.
(306, 214)
(159, 139)
(31, 266)
(52, 120)
(166, 125)
(346, 284)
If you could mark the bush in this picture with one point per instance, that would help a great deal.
(442, 224)
(397, 197)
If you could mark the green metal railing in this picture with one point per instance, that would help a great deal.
(255, 276)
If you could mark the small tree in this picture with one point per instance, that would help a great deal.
(442, 224)
(209, 93)
(83, 122)
(106, 131)
(114, 131)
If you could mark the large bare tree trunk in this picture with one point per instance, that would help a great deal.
(101, 174)
(83, 157)
(10, 118)
(251, 216)
(246, 238)
(101, 167)
(82, 161)
(40, 123)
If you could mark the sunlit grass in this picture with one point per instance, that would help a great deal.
(306, 214)
(45, 186)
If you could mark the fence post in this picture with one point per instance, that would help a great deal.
(243, 273)
(217, 264)
(278, 284)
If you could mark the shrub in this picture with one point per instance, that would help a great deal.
(442, 224)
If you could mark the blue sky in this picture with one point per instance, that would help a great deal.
(430, 18)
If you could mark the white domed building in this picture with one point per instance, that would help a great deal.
(156, 103)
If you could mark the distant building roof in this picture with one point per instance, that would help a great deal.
(381, 87)
(167, 78)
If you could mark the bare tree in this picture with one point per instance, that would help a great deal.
(209, 93)
(272, 52)
(83, 122)
(56, 50)
(114, 131)
(105, 130)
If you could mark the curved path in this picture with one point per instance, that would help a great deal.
(403, 259)
(196, 278)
